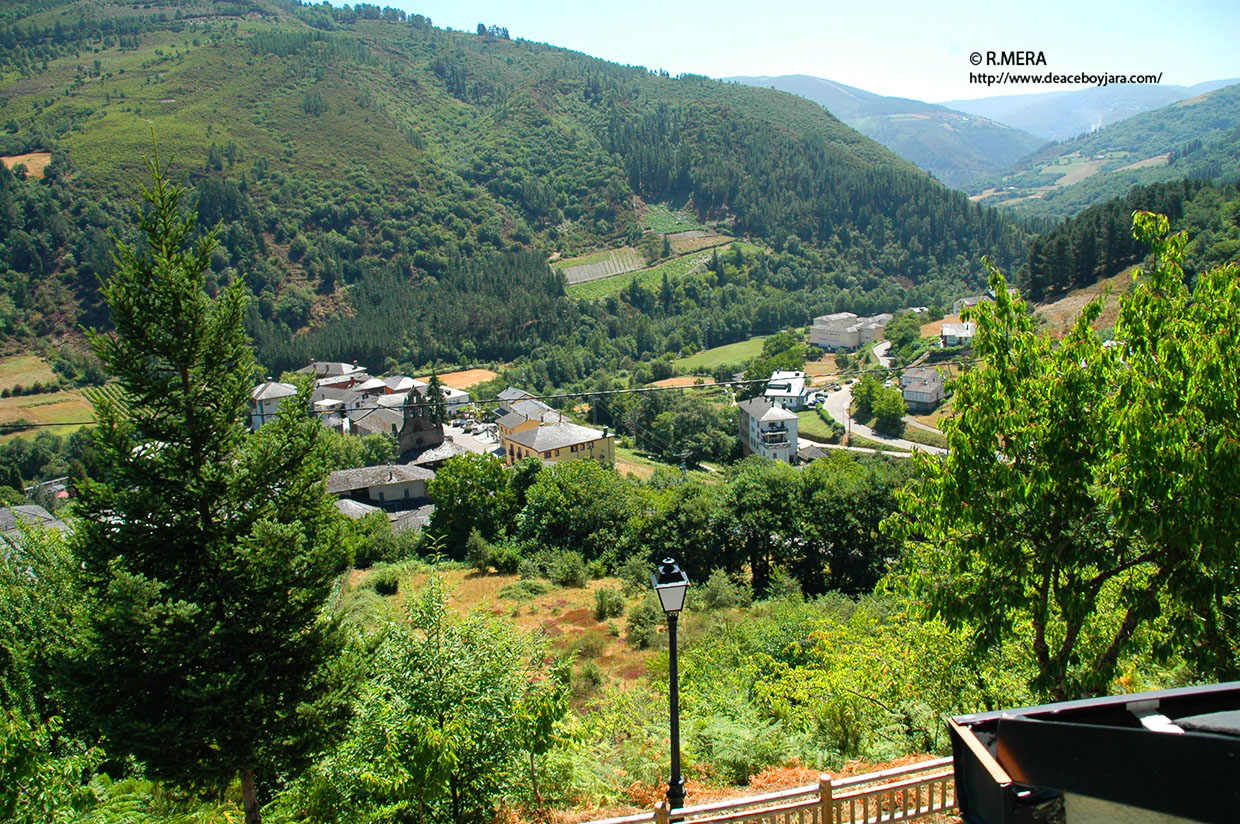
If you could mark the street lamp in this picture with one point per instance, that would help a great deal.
(670, 583)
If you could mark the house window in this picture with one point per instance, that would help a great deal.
(557, 453)
(406, 492)
(546, 454)
(573, 448)
(380, 496)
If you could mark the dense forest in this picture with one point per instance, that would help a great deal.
(1098, 242)
(388, 190)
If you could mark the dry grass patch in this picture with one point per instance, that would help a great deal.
(1061, 314)
(35, 162)
(684, 380)
(24, 370)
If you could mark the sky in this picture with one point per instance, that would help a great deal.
(904, 49)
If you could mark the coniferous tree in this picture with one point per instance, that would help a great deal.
(206, 553)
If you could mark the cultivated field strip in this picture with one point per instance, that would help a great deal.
(618, 262)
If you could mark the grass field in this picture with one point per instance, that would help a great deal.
(24, 370)
(882, 446)
(664, 221)
(812, 427)
(652, 277)
(732, 353)
(60, 412)
(912, 433)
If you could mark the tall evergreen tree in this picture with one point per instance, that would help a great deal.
(207, 553)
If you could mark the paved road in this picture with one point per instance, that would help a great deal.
(880, 352)
(837, 404)
(462, 438)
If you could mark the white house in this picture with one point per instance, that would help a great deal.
(265, 399)
(787, 390)
(844, 330)
(768, 430)
(922, 388)
(958, 334)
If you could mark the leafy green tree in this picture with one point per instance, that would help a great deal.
(903, 331)
(206, 554)
(1174, 478)
(470, 492)
(441, 724)
(864, 392)
(841, 502)
(761, 498)
(888, 408)
(1090, 491)
(579, 506)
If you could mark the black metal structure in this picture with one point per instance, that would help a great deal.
(1175, 752)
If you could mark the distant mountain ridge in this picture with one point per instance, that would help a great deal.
(1064, 115)
(954, 146)
(1195, 138)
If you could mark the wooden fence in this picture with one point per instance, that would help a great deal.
(897, 794)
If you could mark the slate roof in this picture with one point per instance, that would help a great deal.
(354, 509)
(419, 518)
(440, 453)
(512, 393)
(30, 514)
(764, 412)
(331, 369)
(535, 410)
(347, 480)
(556, 436)
(377, 420)
(271, 390)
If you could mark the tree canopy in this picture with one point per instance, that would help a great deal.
(1091, 491)
(207, 554)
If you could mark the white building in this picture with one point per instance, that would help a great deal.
(787, 390)
(844, 330)
(768, 430)
(958, 334)
(922, 388)
(265, 399)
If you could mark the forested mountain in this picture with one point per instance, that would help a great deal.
(1194, 138)
(389, 190)
(1099, 242)
(953, 146)
(1067, 114)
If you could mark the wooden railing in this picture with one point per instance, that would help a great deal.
(897, 794)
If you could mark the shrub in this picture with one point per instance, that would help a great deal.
(591, 674)
(525, 589)
(385, 581)
(643, 624)
(568, 569)
(590, 644)
(608, 603)
(721, 592)
(634, 575)
(506, 557)
(478, 552)
(529, 568)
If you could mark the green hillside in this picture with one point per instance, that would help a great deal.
(1193, 138)
(390, 191)
(955, 147)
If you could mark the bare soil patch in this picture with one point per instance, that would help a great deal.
(35, 162)
(465, 378)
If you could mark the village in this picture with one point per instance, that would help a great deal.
(427, 430)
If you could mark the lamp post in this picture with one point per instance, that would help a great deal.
(670, 583)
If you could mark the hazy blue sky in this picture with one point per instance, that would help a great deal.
(919, 50)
